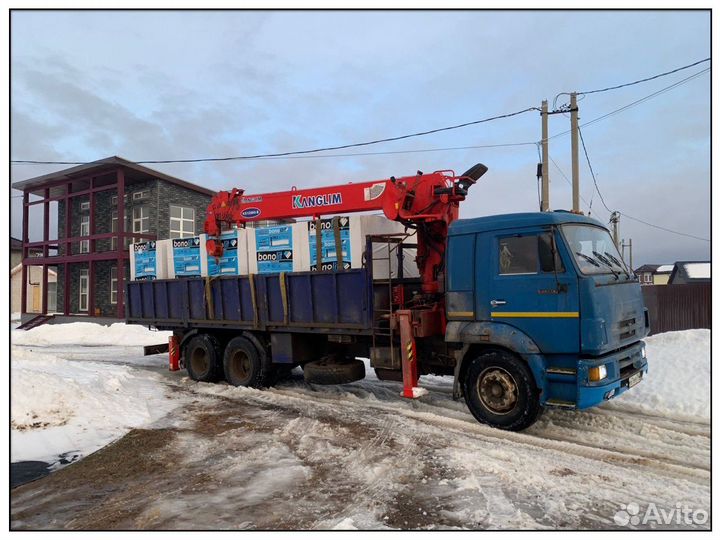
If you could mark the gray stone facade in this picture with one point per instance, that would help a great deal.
(155, 197)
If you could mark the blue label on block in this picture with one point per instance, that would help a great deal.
(145, 260)
(274, 247)
(186, 256)
(328, 248)
(227, 264)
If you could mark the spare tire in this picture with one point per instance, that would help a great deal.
(331, 371)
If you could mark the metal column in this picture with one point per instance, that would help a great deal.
(25, 240)
(120, 244)
(46, 251)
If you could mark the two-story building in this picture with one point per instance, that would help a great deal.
(101, 208)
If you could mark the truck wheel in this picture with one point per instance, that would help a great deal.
(243, 364)
(500, 391)
(202, 358)
(329, 371)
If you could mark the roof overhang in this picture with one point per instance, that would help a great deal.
(135, 171)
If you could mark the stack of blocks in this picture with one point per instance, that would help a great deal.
(280, 248)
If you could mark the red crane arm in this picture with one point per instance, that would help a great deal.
(428, 202)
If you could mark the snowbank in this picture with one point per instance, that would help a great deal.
(678, 381)
(68, 407)
(85, 333)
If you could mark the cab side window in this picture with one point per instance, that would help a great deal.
(529, 254)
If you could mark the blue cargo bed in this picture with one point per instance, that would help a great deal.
(296, 302)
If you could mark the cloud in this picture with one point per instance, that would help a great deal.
(208, 84)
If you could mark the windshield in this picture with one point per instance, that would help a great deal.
(593, 249)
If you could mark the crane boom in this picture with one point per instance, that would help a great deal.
(426, 202)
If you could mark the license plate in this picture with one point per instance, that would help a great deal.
(634, 379)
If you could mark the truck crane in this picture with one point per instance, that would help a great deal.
(525, 311)
(428, 203)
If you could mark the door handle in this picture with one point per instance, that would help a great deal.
(496, 303)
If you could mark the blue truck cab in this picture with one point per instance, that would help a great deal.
(543, 313)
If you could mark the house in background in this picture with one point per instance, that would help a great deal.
(690, 272)
(662, 274)
(34, 290)
(101, 208)
(645, 273)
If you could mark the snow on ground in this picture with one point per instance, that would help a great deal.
(356, 455)
(88, 334)
(65, 408)
(678, 380)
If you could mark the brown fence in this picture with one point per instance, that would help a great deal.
(678, 307)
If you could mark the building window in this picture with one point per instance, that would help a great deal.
(114, 228)
(139, 195)
(141, 221)
(85, 205)
(113, 285)
(114, 199)
(648, 277)
(182, 222)
(85, 231)
(84, 279)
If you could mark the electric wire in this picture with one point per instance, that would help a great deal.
(633, 104)
(624, 85)
(301, 152)
(592, 172)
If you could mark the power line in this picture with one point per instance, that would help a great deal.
(303, 153)
(350, 154)
(644, 80)
(562, 173)
(663, 228)
(300, 152)
(592, 173)
(634, 103)
(624, 85)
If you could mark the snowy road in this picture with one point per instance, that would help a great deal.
(358, 456)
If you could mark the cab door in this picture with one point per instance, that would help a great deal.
(533, 287)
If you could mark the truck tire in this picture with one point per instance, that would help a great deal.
(329, 371)
(243, 364)
(203, 361)
(500, 391)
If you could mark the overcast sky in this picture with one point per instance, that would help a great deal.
(176, 85)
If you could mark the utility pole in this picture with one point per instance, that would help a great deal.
(614, 218)
(629, 246)
(545, 199)
(575, 156)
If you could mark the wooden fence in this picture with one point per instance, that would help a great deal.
(678, 307)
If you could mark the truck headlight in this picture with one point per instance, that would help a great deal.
(642, 350)
(598, 373)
